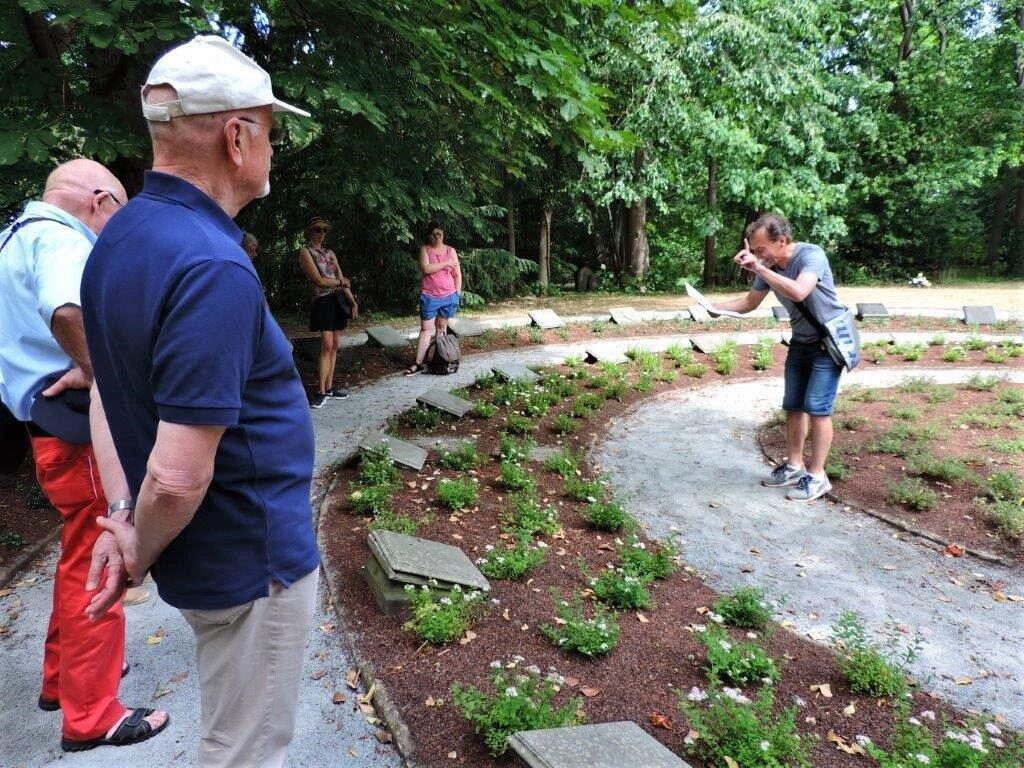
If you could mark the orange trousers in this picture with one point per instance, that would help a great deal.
(82, 659)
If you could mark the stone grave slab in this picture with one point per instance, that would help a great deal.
(625, 316)
(708, 343)
(386, 336)
(403, 453)
(781, 314)
(411, 560)
(464, 328)
(445, 401)
(390, 596)
(699, 314)
(604, 745)
(870, 309)
(515, 372)
(616, 356)
(546, 318)
(980, 315)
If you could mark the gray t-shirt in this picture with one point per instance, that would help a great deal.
(822, 302)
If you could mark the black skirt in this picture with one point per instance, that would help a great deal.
(328, 313)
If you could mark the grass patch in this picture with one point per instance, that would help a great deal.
(458, 494)
(912, 492)
(763, 357)
(979, 383)
(462, 457)
(917, 384)
(745, 608)
(655, 560)
(422, 418)
(510, 563)
(904, 412)
(726, 358)
(563, 424)
(565, 463)
(608, 516)
(679, 355)
(945, 469)
(589, 636)
(860, 394)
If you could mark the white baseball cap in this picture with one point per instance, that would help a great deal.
(210, 75)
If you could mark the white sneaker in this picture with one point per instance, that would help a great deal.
(809, 488)
(784, 476)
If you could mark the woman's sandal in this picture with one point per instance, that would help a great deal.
(132, 730)
(415, 368)
(52, 705)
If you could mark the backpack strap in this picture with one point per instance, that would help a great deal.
(32, 220)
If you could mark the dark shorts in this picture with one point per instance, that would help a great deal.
(327, 314)
(431, 306)
(812, 379)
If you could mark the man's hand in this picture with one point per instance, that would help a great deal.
(745, 259)
(73, 379)
(115, 554)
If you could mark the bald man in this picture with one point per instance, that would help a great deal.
(45, 374)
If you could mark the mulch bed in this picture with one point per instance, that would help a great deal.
(25, 515)
(958, 517)
(638, 681)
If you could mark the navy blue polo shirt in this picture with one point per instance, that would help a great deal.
(178, 331)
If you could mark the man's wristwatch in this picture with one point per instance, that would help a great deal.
(120, 505)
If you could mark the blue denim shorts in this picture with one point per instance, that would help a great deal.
(431, 306)
(812, 379)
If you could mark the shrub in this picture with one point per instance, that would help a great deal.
(563, 424)
(483, 410)
(377, 467)
(726, 357)
(560, 386)
(1004, 486)
(644, 360)
(523, 701)
(372, 499)
(586, 404)
(747, 732)
(462, 457)
(680, 356)
(910, 352)
(607, 516)
(1009, 446)
(917, 384)
(526, 516)
(978, 743)
(422, 418)
(913, 493)
(512, 562)
(565, 463)
(1012, 395)
(995, 355)
(616, 390)
(668, 375)
(644, 383)
(583, 490)
(904, 412)
(745, 608)
(734, 662)
(598, 326)
(929, 465)
(655, 560)
(955, 354)
(517, 424)
(575, 631)
(763, 356)
(536, 335)
(837, 469)
(975, 343)
(442, 616)
(872, 668)
(618, 589)
(852, 423)
(979, 383)
(942, 393)
(1008, 516)
(514, 477)
(512, 450)
(457, 494)
(695, 370)
(861, 394)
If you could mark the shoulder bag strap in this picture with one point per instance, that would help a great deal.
(19, 224)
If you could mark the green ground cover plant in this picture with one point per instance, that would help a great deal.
(979, 383)
(941, 393)
(679, 355)
(726, 358)
(837, 469)
(745, 608)
(872, 668)
(511, 449)
(565, 463)
(524, 515)
(996, 355)
(644, 382)
(669, 375)
(735, 662)
(590, 636)
(512, 562)
(523, 700)
(514, 476)
(747, 732)
(909, 352)
(519, 424)
(861, 394)
(695, 370)
(954, 354)
(917, 384)
(938, 340)
(458, 494)
(583, 490)
(975, 343)
(422, 418)
(461, 457)
(762, 355)
(644, 360)
(655, 560)
(607, 515)
(912, 492)
(563, 424)
(441, 616)
(616, 390)
(536, 335)
(904, 412)
(948, 470)
(619, 589)
(483, 410)
(389, 520)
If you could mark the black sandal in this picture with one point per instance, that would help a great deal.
(52, 705)
(415, 368)
(132, 730)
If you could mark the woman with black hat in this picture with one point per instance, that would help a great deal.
(333, 304)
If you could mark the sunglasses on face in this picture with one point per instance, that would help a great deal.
(275, 133)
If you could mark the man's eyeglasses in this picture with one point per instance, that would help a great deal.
(112, 196)
(275, 133)
(321, 229)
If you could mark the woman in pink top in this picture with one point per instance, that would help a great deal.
(440, 287)
(333, 304)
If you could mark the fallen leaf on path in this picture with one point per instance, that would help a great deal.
(5, 592)
(469, 637)
(590, 692)
(658, 720)
(730, 763)
(452, 755)
(162, 692)
(643, 619)
(352, 678)
(825, 689)
(572, 682)
(154, 640)
(963, 680)
(318, 674)
(384, 737)
(326, 627)
(850, 709)
(850, 748)
(352, 751)
(505, 615)
(955, 550)
(339, 698)
(179, 677)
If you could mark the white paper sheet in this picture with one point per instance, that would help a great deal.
(697, 296)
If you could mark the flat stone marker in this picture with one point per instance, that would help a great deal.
(625, 316)
(412, 560)
(445, 401)
(616, 356)
(515, 372)
(708, 342)
(781, 314)
(979, 315)
(908, 339)
(464, 328)
(871, 310)
(546, 318)
(406, 454)
(699, 314)
(605, 745)
(386, 336)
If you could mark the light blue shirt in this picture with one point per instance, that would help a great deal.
(40, 271)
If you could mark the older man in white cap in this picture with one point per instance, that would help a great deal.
(205, 406)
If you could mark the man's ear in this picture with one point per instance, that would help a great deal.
(233, 142)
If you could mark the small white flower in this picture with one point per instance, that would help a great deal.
(511, 692)
(752, 635)
(799, 701)
(928, 715)
(863, 740)
(715, 617)
(997, 742)
(923, 759)
(533, 669)
(541, 545)
(495, 665)
(766, 745)
(993, 729)
(725, 646)
(696, 694)
(913, 721)
(410, 587)
(445, 601)
(488, 547)
(456, 588)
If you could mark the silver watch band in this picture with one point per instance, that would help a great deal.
(120, 504)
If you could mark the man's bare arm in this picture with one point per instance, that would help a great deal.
(68, 329)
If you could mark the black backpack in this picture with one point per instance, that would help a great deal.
(444, 355)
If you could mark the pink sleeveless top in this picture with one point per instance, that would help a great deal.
(325, 265)
(441, 283)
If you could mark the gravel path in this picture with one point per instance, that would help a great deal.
(702, 469)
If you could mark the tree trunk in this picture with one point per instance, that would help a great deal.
(998, 222)
(710, 274)
(907, 8)
(510, 217)
(639, 247)
(544, 256)
(1017, 248)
